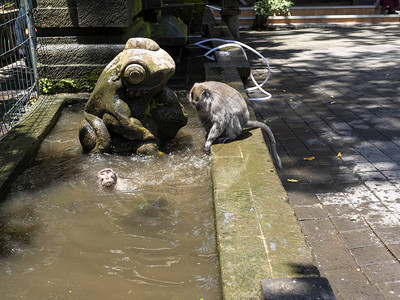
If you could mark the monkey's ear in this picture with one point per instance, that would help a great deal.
(206, 94)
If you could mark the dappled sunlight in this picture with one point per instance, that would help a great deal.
(334, 112)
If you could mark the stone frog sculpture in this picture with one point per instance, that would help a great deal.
(131, 110)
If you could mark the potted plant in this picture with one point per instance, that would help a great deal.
(265, 8)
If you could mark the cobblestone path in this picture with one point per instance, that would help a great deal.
(335, 111)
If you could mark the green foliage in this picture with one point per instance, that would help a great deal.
(265, 8)
(46, 86)
(70, 85)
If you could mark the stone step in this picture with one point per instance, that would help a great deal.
(321, 10)
(68, 71)
(320, 16)
(67, 54)
(335, 10)
(334, 19)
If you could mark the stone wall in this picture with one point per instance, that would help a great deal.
(78, 38)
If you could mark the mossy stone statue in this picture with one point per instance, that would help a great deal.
(131, 110)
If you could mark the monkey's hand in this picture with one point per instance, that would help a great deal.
(207, 148)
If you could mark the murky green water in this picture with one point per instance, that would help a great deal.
(152, 237)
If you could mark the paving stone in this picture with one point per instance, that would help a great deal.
(391, 290)
(350, 222)
(363, 167)
(382, 272)
(378, 176)
(392, 174)
(360, 238)
(386, 166)
(350, 283)
(371, 255)
(340, 210)
(370, 208)
(300, 199)
(389, 235)
(331, 253)
(345, 178)
(381, 220)
(394, 206)
(394, 249)
(318, 229)
(387, 195)
(297, 288)
(333, 198)
(310, 212)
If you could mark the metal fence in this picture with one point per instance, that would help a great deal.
(18, 73)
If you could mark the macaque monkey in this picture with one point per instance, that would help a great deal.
(106, 177)
(224, 113)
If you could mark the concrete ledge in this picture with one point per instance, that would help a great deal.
(258, 236)
(22, 142)
(257, 232)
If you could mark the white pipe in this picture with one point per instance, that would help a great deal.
(233, 43)
(213, 7)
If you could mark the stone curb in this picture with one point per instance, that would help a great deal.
(22, 142)
(258, 236)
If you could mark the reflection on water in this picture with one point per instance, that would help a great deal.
(152, 237)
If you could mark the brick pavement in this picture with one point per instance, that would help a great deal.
(335, 113)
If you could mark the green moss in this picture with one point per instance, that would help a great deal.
(137, 7)
(70, 85)
(198, 12)
(139, 28)
(153, 104)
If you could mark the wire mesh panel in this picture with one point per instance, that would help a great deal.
(18, 75)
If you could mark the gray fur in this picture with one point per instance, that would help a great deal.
(224, 114)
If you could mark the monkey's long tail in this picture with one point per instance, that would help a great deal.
(271, 138)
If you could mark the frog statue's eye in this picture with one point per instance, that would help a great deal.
(134, 74)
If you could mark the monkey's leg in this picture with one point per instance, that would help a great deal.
(215, 131)
(223, 139)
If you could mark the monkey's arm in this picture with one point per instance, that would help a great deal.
(271, 136)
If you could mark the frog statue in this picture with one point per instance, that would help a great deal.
(130, 109)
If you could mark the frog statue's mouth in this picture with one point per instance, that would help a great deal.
(151, 86)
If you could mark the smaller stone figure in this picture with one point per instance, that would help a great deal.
(106, 177)
(131, 110)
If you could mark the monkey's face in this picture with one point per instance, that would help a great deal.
(200, 98)
(107, 177)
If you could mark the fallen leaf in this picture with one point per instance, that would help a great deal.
(333, 102)
(332, 96)
(290, 99)
(339, 154)
(309, 158)
(292, 180)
